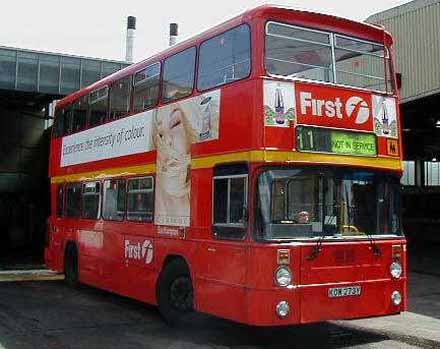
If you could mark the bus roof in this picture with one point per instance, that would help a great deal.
(304, 18)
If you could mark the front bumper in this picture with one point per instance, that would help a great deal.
(311, 303)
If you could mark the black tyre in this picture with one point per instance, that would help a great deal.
(71, 271)
(175, 292)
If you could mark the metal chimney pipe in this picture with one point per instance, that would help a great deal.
(173, 33)
(131, 28)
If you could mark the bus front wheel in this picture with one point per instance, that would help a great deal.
(71, 274)
(175, 292)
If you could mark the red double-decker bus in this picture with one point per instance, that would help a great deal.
(251, 172)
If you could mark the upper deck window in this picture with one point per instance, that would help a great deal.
(146, 88)
(120, 98)
(178, 76)
(68, 118)
(360, 63)
(225, 58)
(310, 54)
(58, 125)
(297, 52)
(98, 102)
(79, 114)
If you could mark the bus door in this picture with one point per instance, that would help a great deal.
(224, 258)
(89, 230)
(114, 215)
(135, 245)
(57, 230)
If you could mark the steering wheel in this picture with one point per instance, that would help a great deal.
(350, 229)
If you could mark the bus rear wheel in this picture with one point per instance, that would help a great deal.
(71, 272)
(175, 292)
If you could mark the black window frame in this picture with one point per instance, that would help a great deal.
(213, 38)
(231, 231)
(163, 88)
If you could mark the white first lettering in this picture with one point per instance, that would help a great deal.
(320, 107)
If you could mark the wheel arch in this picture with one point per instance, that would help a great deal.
(167, 260)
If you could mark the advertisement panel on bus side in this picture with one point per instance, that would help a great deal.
(298, 103)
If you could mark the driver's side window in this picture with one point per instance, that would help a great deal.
(230, 189)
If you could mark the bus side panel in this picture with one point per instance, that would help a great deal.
(221, 283)
(201, 203)
(236, 126)
(135, 272)
(91, 249)
(220, 265)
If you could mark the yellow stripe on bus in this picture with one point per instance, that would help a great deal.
(296, 157)
(107, 173)
(246, 156)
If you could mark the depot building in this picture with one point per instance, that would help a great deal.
(415, 27)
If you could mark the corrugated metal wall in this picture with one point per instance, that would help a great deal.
(416, 30)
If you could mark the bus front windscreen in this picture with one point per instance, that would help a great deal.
(305, 53)
(305, 203)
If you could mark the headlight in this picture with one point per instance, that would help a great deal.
(283, 276)
(283, 309)
(396, 297)
(396, 270)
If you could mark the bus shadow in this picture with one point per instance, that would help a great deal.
(50, 314)
(204, 331)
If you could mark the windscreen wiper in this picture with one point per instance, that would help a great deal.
(374, 247)
(316, 249)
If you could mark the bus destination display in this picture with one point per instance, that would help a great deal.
(322, 140)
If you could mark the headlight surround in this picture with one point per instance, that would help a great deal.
(283, 276)
(396, 297)
(396, 270)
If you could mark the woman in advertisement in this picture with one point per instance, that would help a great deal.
(177, 126)
(173, 139)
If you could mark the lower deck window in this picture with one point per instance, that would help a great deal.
(60, 200)
(113, 208)
(73, 200)
(91, 200)
(229, 200)
(230, 204)
(140, 199)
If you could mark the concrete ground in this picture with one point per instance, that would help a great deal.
(421, 325)
(424, 294)
(47, 314)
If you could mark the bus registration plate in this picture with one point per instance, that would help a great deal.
(344, 291)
